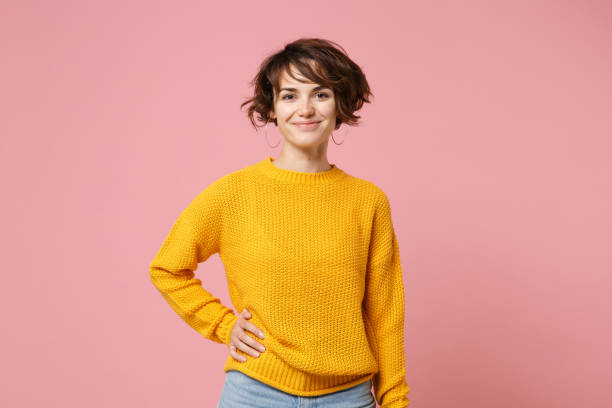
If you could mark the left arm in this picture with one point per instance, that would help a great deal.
(384, 310)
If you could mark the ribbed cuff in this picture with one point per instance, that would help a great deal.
(224, 329)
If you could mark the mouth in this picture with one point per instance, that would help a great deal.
(307, 125)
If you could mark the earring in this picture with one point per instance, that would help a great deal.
(345, 133)
(266, 136)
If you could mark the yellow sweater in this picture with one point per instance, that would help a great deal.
(315, 259)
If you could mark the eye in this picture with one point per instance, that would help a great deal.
(323, 95)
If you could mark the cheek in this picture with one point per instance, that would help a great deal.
(328, 109)
(283, 112)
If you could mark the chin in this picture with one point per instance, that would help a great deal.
(306, 141)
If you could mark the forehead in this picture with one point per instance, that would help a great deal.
(285, 80)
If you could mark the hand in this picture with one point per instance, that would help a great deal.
(240, 340)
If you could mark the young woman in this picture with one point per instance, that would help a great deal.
(310, 253)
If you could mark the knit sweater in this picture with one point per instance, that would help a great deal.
(314, 257)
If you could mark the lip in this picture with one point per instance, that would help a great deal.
(307, 125)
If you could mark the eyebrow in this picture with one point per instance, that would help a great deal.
(318, 88)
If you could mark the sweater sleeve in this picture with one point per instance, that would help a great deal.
(193, 238)
(384, 310)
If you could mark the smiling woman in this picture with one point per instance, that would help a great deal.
(310, 253)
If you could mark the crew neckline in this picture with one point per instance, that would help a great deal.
(269, 169)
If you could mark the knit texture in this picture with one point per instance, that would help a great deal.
(315, 259)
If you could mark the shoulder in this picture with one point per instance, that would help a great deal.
(373, 199)
(227, 184)
(220, 192)
(368, 190)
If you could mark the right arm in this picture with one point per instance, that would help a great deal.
(193, 238)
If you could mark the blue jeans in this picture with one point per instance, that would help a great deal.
(243, 391)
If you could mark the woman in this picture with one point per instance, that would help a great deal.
(310, 253)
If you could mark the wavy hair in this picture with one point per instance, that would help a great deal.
(321, 61)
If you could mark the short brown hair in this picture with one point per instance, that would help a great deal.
(332, 68)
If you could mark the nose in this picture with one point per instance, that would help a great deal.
(306, 108)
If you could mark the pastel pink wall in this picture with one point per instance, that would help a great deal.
(490, 131)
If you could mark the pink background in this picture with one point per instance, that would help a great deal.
(490, 131)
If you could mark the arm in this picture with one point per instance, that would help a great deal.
(193, 238)
(384, 310)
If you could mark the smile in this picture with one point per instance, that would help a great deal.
(307, 126)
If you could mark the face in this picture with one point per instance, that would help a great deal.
(300, 102)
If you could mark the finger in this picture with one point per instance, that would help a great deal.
(254, 329)
(243, 345)
(253, 343)
(235, 354)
